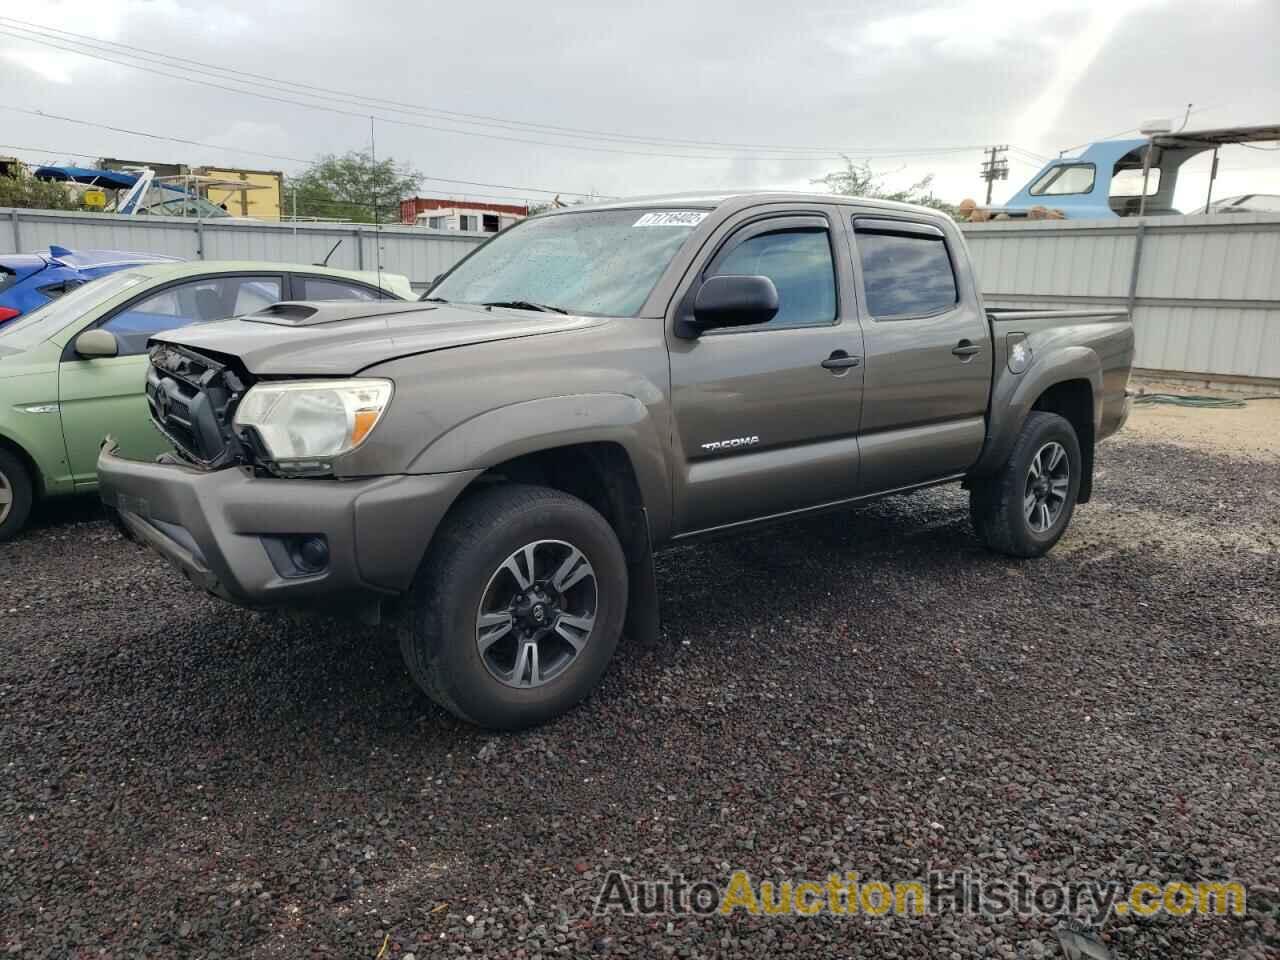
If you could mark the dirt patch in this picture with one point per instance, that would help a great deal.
(1250, 431)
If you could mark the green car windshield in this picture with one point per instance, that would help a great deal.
(43, 322)
(597, 263)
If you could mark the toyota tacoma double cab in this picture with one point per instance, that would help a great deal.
(491, 469)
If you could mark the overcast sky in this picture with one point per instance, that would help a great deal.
(768, 92)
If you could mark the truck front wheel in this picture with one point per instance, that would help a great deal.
(1024, 509)
(517, 607)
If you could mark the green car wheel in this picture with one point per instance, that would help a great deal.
(15, 495)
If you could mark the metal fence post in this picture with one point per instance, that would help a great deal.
(1137, 265)
(200, 239)
(359, 248)
(17, 231)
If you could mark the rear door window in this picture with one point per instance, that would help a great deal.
(906, 273)
(321, 288)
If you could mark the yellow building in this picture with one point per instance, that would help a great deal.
(265, 201)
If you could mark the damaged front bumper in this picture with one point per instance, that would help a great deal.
(265, 541)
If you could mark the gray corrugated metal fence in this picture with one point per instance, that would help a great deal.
(417, 253)
(1204, 291)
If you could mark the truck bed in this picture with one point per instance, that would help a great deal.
(1096, 345)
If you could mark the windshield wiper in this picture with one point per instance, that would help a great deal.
(525, 305)
(432, 300)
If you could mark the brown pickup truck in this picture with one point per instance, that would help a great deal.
(491, 469)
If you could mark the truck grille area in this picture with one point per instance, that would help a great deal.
(192, 398)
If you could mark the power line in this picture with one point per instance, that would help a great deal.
(167, 59)
(44, 115)
(272, 156)
(221, 72)
(94, 51)
(1029, 154)
(358, 115)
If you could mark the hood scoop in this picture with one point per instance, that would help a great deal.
(300, 313)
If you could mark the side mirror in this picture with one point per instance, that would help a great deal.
(97, 343)
(734, 301)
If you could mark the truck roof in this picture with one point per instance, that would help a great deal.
(744, 198)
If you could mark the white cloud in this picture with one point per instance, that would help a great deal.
(884, 76)
(1073, 61)
(46, 64)
(106, 21)
(983, 28)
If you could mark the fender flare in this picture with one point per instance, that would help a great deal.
(1015, 394)
(533, 426)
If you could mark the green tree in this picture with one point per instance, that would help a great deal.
(858, 180)
(348, 187)
(32, 194)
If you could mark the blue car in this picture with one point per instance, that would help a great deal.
(30, 280)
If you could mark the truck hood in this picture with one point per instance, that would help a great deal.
(341, 339)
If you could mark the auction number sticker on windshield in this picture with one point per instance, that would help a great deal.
(671, 218)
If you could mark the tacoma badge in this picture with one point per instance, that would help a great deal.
(731, 444)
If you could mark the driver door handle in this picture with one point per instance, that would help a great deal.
(839, 360)
(966, 348)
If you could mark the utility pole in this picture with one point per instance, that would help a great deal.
(995, 167)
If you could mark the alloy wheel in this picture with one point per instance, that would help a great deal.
(537, 613)
(1048, 485)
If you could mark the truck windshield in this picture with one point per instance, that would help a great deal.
(602, 263)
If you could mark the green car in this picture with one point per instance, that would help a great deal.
(72, 371)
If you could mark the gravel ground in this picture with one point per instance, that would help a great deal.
(870, 691)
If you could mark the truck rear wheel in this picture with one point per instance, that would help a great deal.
(1024, 509)
(16, 494)
(517, 607)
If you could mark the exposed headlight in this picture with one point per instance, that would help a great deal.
(305, 423)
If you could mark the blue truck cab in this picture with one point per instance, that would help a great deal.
(1102, 182)
(1106, 180)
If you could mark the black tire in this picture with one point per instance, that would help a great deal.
(997, 503)
(16, 488)
(438, 627)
